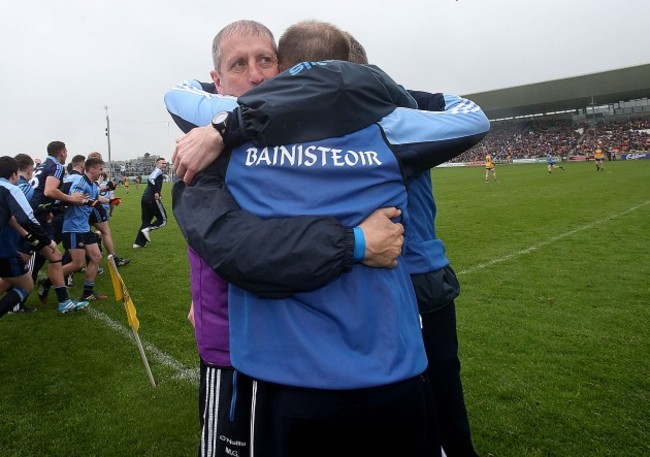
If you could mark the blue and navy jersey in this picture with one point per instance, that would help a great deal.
(550, 159)
(360, 330)
(25, 187)
(49, 167)
(154, 184)
(68, 180)
(14, 203)
(76, 218)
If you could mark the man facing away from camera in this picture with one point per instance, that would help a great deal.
(324, 246)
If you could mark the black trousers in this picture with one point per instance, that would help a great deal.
(436, 291)
(150, 209)
(224, 412)
(443, 373)
(389, 421)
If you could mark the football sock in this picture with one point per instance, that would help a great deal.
(88, 288)
(61, 293)
(11, 299)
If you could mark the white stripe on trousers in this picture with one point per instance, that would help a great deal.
(252, 423)
(30, 263)
(163, 213)
(210, 413)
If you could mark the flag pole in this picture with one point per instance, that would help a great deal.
(144, 357)
(121, 293)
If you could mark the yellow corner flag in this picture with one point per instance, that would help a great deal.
(116, 279)
(122, 294)
(130, 311)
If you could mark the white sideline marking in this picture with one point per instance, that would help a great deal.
(192, 374)
(181, 371)
(549, 241)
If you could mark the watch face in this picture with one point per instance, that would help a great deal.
(220, 117)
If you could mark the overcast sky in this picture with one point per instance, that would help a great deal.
(63, 61)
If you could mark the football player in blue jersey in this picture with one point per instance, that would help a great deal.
(100, 217)
(46, 182)
(550, 163)
(16, 220)
(78, 238)
(26, 250)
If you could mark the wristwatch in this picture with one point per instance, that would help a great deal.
(220, 121)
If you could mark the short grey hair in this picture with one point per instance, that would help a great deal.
(241, 27)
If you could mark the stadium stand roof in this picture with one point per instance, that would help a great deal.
(573, 93)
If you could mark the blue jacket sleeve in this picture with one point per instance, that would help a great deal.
(193, 103)
(424, 139)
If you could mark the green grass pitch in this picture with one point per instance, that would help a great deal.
(553, 324)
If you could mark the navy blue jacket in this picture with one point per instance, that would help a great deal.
(14, 203)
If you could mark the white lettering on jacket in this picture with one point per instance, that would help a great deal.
(300, 155)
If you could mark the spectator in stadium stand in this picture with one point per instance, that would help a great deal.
(529, 139)
(347, 276)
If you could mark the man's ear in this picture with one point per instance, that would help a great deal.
(217, 81)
